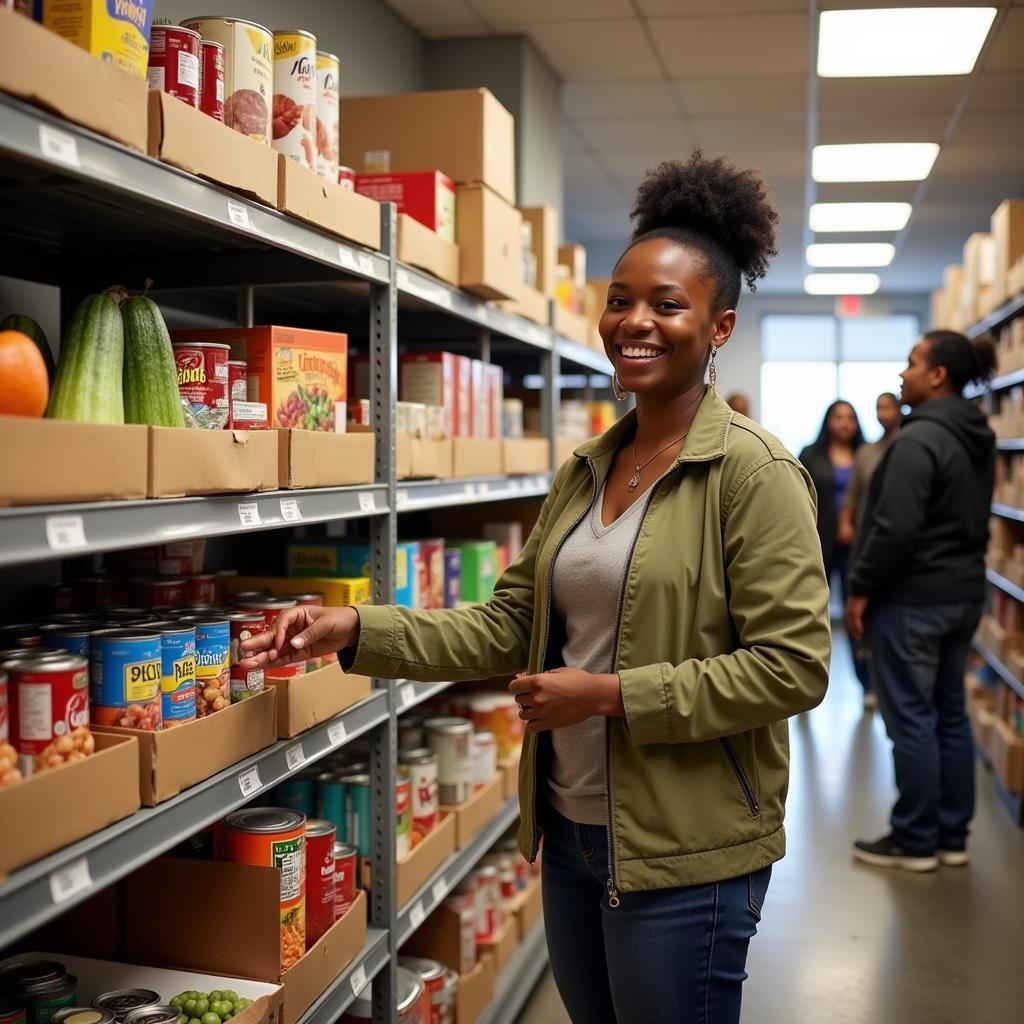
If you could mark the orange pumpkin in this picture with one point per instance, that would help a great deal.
(24, 388)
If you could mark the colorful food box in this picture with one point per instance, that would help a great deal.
(432, 379)
(116, 31)
(479, 569)
(353, 561)
(426, 196)
(452, 577)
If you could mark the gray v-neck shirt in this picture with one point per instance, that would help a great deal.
(587, 581)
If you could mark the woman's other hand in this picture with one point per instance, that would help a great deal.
(564, 697)
(301, 633)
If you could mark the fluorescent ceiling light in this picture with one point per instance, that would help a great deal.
(902, 41)
(841, 284)
(859, 216)
(850, 254)
(874, 161)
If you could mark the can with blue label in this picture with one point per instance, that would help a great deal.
(63, 636)
(298, 794)
(213, 662)
(330, 801)
(358, 817)
(125, 667)
(178, 672)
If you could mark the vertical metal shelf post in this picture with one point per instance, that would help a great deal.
(383, 540)
(550, 398)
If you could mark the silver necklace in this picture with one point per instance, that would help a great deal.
(634, 480)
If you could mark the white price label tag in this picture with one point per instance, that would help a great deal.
(239, 215)
(402, 499)
(70, 880)
(59, 146)
(249, 781)
(469, 489)
(367, 502)
(295, 757)
(417, 915)
(439, 890)
(249, 513)
(358, 980)
(65, 533)
(485, 488)
(290, 511)
(337, 733)
(346, 259)
(408, 694)
(366, 265)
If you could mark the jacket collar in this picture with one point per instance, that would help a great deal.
(704, 443)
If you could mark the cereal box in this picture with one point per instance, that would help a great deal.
(116, 31)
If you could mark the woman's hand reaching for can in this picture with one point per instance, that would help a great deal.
(300, 633)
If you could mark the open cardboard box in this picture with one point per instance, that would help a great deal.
(174, 759)
(527, 907)
(183, 462)
(474, 991)
(313, 458)
(326, 204)
(503, 945)
(574, 326)
(246, 941)
(307, 700)
(420, 247)
(98, 976)
(509, 768)
(39, 66)
(425, 859)
(525, 455)
(185, 137)
(422, 458)
(476, 456)
(489, 233)
(532, 304)
(48, 811)
(1006, 751)
(477, 811)
(58, 460)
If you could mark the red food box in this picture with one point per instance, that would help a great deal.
(432, 554)
(495, 378)
(478, 399)
(432, 378)
(427, 196)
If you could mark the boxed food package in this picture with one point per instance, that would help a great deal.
(467, 133)
(420, 247)
(488, 231)
(310, 458)
(117, 33)
(478, 571)
(479, 399)
(452, 577)
(574, 258)
(426, 196)
(301, 375)
(474, 814)
(338, 592)
(1008, 238)
(543, 221)
(433, 378)
(476, 456)
(494, 380)
(353, 560)
(432, 557)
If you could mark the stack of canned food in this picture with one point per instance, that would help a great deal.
(426, 995)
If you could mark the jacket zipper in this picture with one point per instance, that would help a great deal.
(613, 892)
(741, 777)
(544, 645)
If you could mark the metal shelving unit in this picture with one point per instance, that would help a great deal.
(411, 694)
(1004, 584)
(516, 982)
(336, 999)
(419, 495)
(1006, 312)
(999, 668)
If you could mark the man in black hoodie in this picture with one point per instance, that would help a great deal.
(917, 585)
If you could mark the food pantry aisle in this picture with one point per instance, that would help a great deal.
(855, 945)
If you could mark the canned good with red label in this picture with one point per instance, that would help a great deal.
(320, 896)
(203, 380)
(174, 62)
(211, 79)
(244, 683)
(149, 593)
(346, 864)
(201, 588)
(403, 814)
(422, 767)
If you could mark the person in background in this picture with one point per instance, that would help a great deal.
(739, 402)
(830, 460)
(917, 586)
(890, 414)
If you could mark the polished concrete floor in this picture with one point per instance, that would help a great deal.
(841, 943)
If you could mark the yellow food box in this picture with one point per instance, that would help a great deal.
(338, 592)
(116, 31)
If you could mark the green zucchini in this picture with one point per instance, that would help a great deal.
(29, 327)
(87, 386)
(151, 393)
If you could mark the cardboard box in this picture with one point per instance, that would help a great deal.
(425, 859)
(564, 450)
(420, 247)
(352, 561)
(87, 91)
(338, 592)
(78, 799)
(183, 462)
(1008, 236)
(488, 230)
(510, 770)
(1006, 750)
(57, 460)
(525, 455)
(420, 458)
(247, 941)
(575, 258)
(426, 196)
(438, 938)
(503, 945)
(313, 458)
(474, 991)
(477, 811)
(433, 379)
(466, 133)
(531, 305)
(543, 220)
(574, 326)
(117, 34)
(307, 700)
(174, 759)
(476, 456)
(529, 907)
(326, 204)
(185, 137)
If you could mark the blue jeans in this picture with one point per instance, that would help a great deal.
(918, 658)
(667, 956)
(861, 653)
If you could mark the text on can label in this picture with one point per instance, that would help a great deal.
(249, 781)
(249, 513)
(64, 533)
(70, 880)
(60, 146)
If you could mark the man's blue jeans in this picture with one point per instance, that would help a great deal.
(918, 659)
(667, 956)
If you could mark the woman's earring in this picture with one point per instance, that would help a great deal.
(712, 372)
(617, 389)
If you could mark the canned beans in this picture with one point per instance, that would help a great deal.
(213, 662)
(125, 677)
(244, 626)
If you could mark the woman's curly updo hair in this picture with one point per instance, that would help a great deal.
(714, 209)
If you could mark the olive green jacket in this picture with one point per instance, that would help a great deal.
(723, 634)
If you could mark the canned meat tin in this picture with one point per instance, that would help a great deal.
(294, 111)
(452, 740)
(422, 767)
(166, 590)
(201, 588)
(244, 683)
(248, 71)
(42, 987)
(274, 837)
(485, 758)
(174, 62)
(211, 79)
(123, 1001)
(81, 1015)
(125, 668)
(320, 897)
(346, 867)
(177, 672)
(328, 69)
(203, 380)
(408, 1002)
(162, 1013)
(213, 662)
(49, 725)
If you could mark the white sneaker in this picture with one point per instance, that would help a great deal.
(953, 858)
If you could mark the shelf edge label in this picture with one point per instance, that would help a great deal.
(290, 511)
(239, 215)
(367, 501)
(249, 781)
(358, 980)
(249, 513)
(408, 694)
(295, 757)
(59, 146)
(417, 915)
(337, 733)
(65, 533)
(439, 890)
(69, 880)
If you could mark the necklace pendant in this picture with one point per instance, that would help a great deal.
(634, 482)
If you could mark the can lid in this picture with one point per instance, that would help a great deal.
(162, 1013)
(427, 970)
(90, 1015)
(244, 617)
(46, 661)
(213, 42)
(355, 779)
(333, 56)
(345, 850)
(487, 871)
(295, 32)
(320, 827)
(31, 972)
(70, 629)
(211, 619)
(485, 738)
(410, 990)
(308, 596)
(200, 344)
(264, 819)
(170, 627)
(453, 725)
(123, 1000)
(267, 601)
(129, 633)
